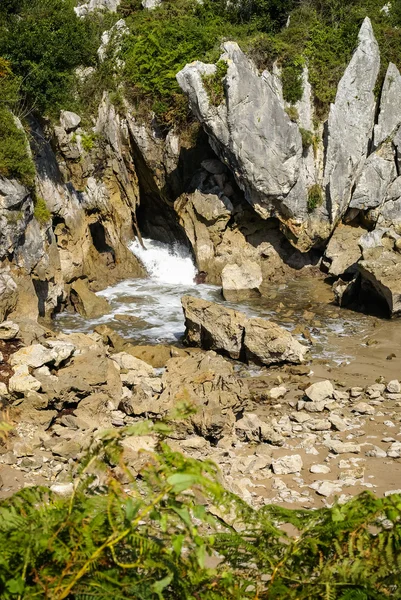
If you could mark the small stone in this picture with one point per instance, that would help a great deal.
(339, 447)
(62, 489)
(363, 408)
(340, 396)
(391, 492)
(127, 362)
(375, 388)
(286, 465)
(355, 392)
(320, 391)
(326, 488)
(320, 469)
(277, 392)
(319, 425)
(376, 452)
(22, 382)
(389, 424)
(8, 330)
(67, 449)
(394, 387)
(338, 423)
(32, 356)
(395, 450)
(315, 406)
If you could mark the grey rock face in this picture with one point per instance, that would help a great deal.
(151, 4)
(343, 251)
(377, 174)
(8, 294)
(16, 209)
(251, 131)
(351, 121)
(92, 5)
(69, 120)
(390, 114)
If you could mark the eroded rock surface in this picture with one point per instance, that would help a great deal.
(214, 327)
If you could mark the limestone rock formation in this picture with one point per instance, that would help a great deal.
(251, 130)
(351, 122)
(88, 7)
(343, 252)
(212, 326)
(308, 190)
(389, 119)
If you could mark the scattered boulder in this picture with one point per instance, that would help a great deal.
(8, 330)
(207, 381)
(241, 281)
(86, 302)
(69, 120)
(212, 326)
(343, 252)
(285, 465)
(22, 381)
(394, 387)
(320, 391)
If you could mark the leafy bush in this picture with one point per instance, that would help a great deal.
(292, 112)
(214, 83)
(307, 138)
(163, 41)
(315, 197)
(45, 41)
(15, 158)
(88, 141)
(152, 537)
(40, 211)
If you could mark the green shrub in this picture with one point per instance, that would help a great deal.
(40, 211)
(15, 158)
(88, 141)
(292, 82)
(214, 83)
(315, 197)
(292, 112)
(150, 537)
(45, 42)
(308, 138)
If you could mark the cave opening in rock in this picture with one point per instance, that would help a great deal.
(99, 239)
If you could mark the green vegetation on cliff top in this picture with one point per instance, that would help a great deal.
(45, 42)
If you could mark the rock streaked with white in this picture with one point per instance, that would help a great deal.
(351, 122)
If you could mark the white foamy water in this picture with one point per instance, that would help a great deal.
(171, 265)
(156, 302)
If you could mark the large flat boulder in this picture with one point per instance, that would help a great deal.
(207, 382)
(213, 326)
